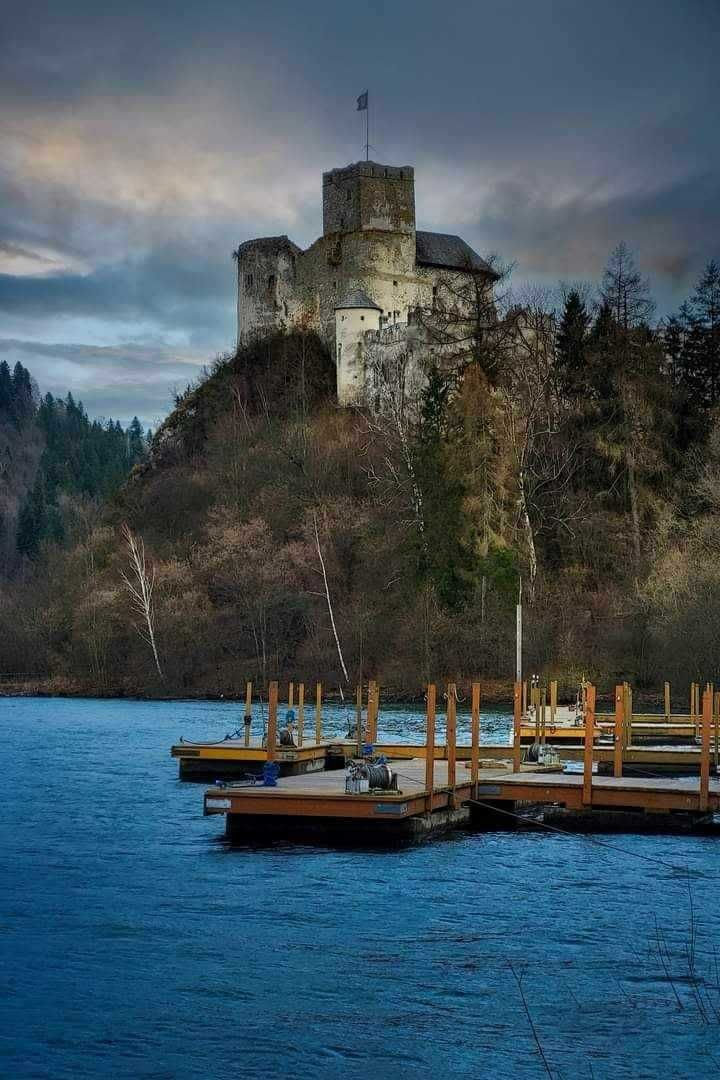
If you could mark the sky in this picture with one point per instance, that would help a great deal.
(142, 141)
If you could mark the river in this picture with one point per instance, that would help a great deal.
(135, 943)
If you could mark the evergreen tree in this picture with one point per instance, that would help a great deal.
(136, 442)
(31, 521)
(692, 341)
(570, 346)
(6, 391)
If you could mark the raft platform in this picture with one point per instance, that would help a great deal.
(429, 795)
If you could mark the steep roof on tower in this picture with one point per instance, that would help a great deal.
(447, 251)
(358, 298)
(272, 245)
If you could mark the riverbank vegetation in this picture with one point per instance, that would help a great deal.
(572, 443)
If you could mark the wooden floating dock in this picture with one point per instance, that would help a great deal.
(433, 794)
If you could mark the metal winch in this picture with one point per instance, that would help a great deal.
(366, 776)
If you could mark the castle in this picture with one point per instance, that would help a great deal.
(362, 285)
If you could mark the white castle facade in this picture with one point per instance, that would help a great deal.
(363, 284)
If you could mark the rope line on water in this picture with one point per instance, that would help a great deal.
(593, 840)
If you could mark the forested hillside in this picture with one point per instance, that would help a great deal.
(573, 444)
(56, 466)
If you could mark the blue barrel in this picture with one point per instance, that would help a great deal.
(271, 771)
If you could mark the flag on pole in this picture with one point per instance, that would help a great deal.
(362, 101)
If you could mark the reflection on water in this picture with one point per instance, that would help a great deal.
(135, 943)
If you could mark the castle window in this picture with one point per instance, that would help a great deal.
(248, 281)
(362, 318)
(401, 175)
(339, 353)
(434, 295)
(349, 194)
(271, 282)
(395, 284)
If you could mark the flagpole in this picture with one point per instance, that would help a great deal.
(367, 128)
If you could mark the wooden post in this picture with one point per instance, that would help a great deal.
(358, 718)
(291, 695)
(301, 714)
(536, 702)
(707, 703)
(475, 738)
(627, 715)
(524, 697)
(451, 735)
(667, 702)
(619, 733)
(553, 702)
(589, 740)
(248, 711)
(318, 712)
(517, 725)
(272, 721)
(372, 711)
(430, 744)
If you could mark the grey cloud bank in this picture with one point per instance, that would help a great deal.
(141, 143)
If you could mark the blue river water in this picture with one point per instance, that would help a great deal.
(135, 943)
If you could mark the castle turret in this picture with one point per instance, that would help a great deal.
(266, 285)
(354, 316)
(368, 196)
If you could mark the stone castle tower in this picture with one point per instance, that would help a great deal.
(367, 274)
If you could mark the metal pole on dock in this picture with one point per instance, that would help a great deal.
(553, 702)
(619, 733)
(430, 743)
(372, 713)
(451, 735)
(667, 702)
(517, 726)
(358, 718)
(301, 714)
(475, 738)
(518, 636)
(291, 695)
(589, 740)
(543, 706)
(248, 711)
(707, 704)
(318, 712)
(272, 720)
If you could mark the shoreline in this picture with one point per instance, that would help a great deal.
(494, 691)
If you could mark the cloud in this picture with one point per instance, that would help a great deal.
(106, 378)
(142, 142)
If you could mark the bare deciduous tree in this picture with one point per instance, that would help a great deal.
(140, 583)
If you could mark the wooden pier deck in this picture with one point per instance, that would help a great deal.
(571, 790)
(433, 793)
